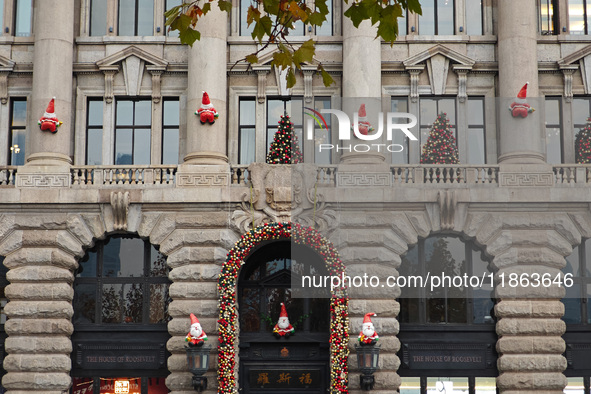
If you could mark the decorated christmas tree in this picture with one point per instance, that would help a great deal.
(284, 148)
(583, 144)
(441, 147)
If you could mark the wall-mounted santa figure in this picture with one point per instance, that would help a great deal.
(283, 328)
(368, 334)
(49, 121)
(206, 113)
(196, 335)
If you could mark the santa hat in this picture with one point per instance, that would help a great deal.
(367, 318)
(361, 113)
(194, 319)
(283, 311)
(50, 111)
(522, 95)
(205, 103)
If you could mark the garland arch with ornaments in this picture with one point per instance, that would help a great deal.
(227, 323)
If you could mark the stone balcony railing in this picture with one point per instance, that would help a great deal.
(93, 176)
(7, 176)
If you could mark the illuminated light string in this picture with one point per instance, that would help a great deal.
(339, 323)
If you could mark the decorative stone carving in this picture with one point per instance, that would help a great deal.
(120, 205)
(414, 83)
(524, 179)
(203, 179)
(109, 75)
(568, 82)
(462, 73)
(262, 72)
(345, 179)
(43, 180)
(156, 72)
(447, 208)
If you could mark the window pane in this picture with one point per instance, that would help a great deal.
(98, 18)
(94, 142)
(143, 113)
(485, 386)
(400, 105)
(19, 113)
(445, 16)
(158, 267)
(449, 107)
(124, 113)
(572, 305)
(95, 113)
(158, 303)
(17, 147)
(126, 18)
(574, 386)
(133, 303)
(447, 385)
(247, 143)
(22, 26)
(169, 5)
(123, 143)
(141, 147)
(295, 111)
(88, 266)
(473, 17)
(107, 385)
(427, 19)
(552, 112)
(245, 30)
(573, 265)
(321, 136)
(247, 113)
(476, 146)
(428, 112)
(326, 28)
(123, 258)
(410, 386)
(111, 305)
(250, 315)
(580, 112)
(1, 10)
(84, 303)
(546, 17)
(553, 145)
(171, 112)
(82, 385)
(170, 146)
(145, 23)
(576, 16)
(402, 24)
(475, 112)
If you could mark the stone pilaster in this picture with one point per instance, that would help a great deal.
(521, 139)
(206, 144)
(529, 325)
(52, 77)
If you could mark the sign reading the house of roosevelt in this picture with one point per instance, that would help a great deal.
(123, 357)
(450, 358)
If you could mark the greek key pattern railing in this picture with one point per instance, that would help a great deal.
(7, 176)
(88, 176)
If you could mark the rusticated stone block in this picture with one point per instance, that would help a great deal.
(531, 345)
(36, 381)
(529, 255)
(95, 224)
(41, 256)
(201, 308)
(387, 362)
(80, 230)
(39, 309)
(529, 308)
(549, 381)
(180, 326)
(383, 308)
(541, 327)
(384, 326)
(11, 242)
(39, 291)
(193, 291)
(165, 225)
(36, 273)
(195, 273)
(180, 383)
(38, 344)
(203, 220)
(45, 327)
(37, 363)
(531, 362)
(224, 238)
(193, 255)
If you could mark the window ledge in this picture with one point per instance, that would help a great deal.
(480, 39)
(564, 38)
(29, 40)
(127, 40)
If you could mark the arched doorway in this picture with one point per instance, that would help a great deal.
(120, 315)
(270, 364)
(227, 288)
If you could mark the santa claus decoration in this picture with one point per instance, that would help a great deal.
(283, 328)
(368, 334)
(364, 126)
(520, 107)
(196, 335)
(206, 113)
(49, 121)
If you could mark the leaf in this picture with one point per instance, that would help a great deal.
(356, 13)
(282, 58)
(305, 53)
(206, 8)
(173, 11)
(414, 6)
(316, 19)
(291, 79)
(388, 25)
(225, 5)
(252, 15)
(252, 58)
(321, 6)
(189, 36)
(326, 78)
(271, 6)
(297, 11)
(181, 23)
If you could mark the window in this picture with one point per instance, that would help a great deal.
(327, 27)
(98, 18)
(579, 12)
(277, 107)
(577, 302)
(322, 134)
(245, 30)
(402, 24)
(419, 385)
(18, 125)
(455, 305)
(548, 17)
(400, 105)
(170, 131)
(94, 132)
(553, 130)
(169, 5)
(132, 131)
(121, 281)
(23, 21)
(437, 17)
(474, 17)
(246, 131)
(579, 385)
(476, 138)
(136, 18)
(429, 109)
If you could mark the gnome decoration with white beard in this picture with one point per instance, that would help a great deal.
(283, 328)
(368, 334)
(196, 335)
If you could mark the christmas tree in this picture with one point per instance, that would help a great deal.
(441, 147)
(582, 144)
(284, 148)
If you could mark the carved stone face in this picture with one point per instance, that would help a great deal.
(283, 322)
(196, 330)
(368, 329)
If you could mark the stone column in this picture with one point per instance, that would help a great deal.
(206, 144)
(52, 77)
(529, 325)
(522, 140)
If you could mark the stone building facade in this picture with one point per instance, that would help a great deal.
(126, 91)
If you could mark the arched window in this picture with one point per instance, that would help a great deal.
(577, 316)
(447, 333)
(120, 315)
